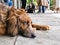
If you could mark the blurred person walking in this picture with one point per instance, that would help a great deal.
(42, 4)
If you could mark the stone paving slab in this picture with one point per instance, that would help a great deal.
(5, 40)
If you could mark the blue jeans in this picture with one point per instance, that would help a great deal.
(42, 9)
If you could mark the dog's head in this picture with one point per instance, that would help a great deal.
(24, 22)
(25, 26)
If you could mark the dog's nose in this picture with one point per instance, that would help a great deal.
(33, 36)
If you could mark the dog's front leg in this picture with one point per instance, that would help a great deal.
(40, 27)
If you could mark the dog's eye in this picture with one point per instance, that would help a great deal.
(24, 23)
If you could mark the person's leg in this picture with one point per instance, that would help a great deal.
(23, 4)
(43, 9)
(39, 9)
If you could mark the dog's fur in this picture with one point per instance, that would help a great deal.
(3, 15)
(18, 21)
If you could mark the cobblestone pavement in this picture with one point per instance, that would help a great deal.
(50, 37)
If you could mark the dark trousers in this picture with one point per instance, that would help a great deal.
(23, 4)
(42, 9)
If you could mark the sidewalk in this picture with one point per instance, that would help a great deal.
(51, 12)
(50, 37)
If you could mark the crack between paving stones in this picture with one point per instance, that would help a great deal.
(15, 40)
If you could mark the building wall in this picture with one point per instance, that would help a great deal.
(57, 3)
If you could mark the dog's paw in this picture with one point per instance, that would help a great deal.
(45, 28)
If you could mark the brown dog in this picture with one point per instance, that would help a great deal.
(18, 21)
(24, 23)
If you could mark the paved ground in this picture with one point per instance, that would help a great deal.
(50, 37)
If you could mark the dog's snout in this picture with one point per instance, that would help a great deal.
(33, 36)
